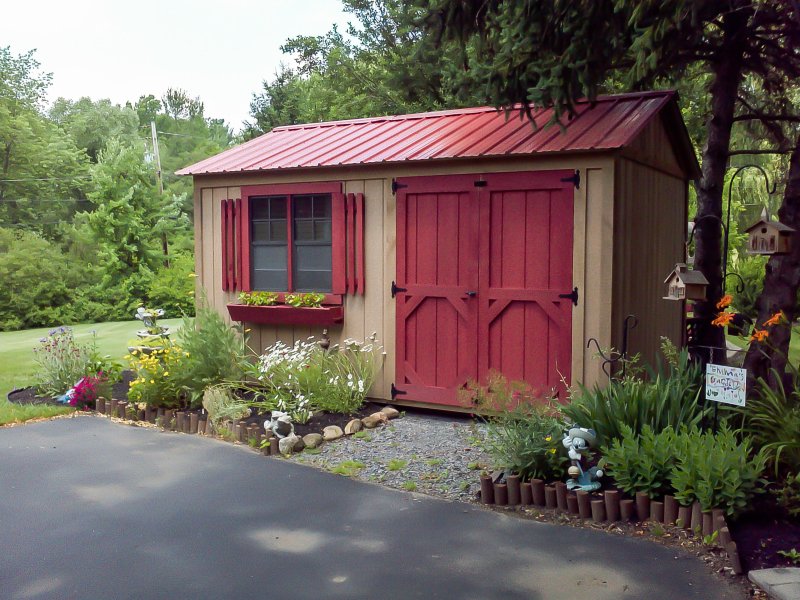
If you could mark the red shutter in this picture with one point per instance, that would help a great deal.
(230, 263)
(351, 236)
(359, 246)
(224, 243)
(339, 244)
(244, 245)
(239, 249)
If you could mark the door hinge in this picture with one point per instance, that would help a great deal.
(396, 392)
(575, 178)
(481, 183)
(396, 186)
(573, 295)
(396, 289)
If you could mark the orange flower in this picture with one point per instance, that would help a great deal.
(725, 301)
(723, 319)
(774, 319)
(759, 335)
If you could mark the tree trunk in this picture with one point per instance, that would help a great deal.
(781, 282)
(727, 76)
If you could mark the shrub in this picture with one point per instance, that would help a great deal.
(642, 462)
(221, 406)
(156, 383)
(668, 398)
(172, 288)
(716, 470)
(789, 494)
(523, 435)
(213, 353)
(745, 293)
(772, 420)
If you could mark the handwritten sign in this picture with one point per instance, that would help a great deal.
(726, 384)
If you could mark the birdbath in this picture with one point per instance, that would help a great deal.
(149, 318)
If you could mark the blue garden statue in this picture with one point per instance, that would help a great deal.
(577, 441)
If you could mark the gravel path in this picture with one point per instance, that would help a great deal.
(432, 454)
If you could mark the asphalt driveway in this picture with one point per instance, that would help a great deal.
(93, 509)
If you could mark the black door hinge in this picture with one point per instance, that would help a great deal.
(396, 186)
(573, 295)
(396, 289)
(396, 392)
(481, 183)
(575, 178)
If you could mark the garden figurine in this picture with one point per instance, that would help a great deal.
(578, 440)
(280, 423)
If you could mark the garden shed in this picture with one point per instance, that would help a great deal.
(468, 240)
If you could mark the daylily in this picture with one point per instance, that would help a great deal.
(725, 301)
(774, 319)
(723, 319)
(759, 335)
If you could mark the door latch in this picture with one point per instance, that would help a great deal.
(471, 293)
(573, 295)
(396, 289)
(396, 392)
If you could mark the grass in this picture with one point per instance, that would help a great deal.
(396, 464)
(794, 344)
(17, 368)
(410, 486)
(348, 468)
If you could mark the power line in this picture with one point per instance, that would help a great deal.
(46, 179)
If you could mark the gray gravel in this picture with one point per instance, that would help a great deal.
(431, 454)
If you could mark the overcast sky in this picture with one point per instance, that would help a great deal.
(220, 51)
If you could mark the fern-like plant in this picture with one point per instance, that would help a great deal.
(642, 463)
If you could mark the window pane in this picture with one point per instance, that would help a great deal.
(269, 257)
(313, 281)
(261, 231)
(322, 231)
(322, 207)
(304, 230)
(313, 258)
(302, 207)
(278, 230)
(275, 281)
(277, 208)
(259, 208)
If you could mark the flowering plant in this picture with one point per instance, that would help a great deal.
(153, 384)
(88, 389)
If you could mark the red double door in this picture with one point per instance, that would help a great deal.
(483, 265)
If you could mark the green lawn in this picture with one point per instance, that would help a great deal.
(17, 367)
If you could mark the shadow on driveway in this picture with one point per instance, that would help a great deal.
(93, 509)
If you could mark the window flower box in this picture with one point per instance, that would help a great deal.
(282, 314)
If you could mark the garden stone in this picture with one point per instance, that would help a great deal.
(371, 422)
(332, 432)
(287, 444)
(312, 440)
(391, 412)
(353, 426)
(380, 416)
(299, 445)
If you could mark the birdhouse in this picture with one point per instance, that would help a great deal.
(769, 237)
(685, 284)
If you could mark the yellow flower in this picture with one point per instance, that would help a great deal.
(166, 373)
(552, 450)
(152, 381)
(548, 438)
(725, 301)
(193, 275)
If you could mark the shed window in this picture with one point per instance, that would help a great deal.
(291, 235)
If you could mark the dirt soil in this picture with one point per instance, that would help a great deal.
(28, 395)
(763, 532)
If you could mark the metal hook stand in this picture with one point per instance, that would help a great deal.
(613, 357)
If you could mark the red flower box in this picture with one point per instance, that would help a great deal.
(283, 314)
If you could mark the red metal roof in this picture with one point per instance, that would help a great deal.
(609, 123)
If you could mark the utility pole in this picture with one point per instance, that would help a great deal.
(157, 156)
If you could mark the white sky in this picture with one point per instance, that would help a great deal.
(220, 51)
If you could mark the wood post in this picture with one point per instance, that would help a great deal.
(112, 411)
(487, 489)
(598, 511)
(642, 506)
(537, 491)
(526, 495)
(697, 517)
(657, 511)
(274, 449)
(733, 555)
(179, 418)
(500, 494)
(561, 496)
(201, 426)
(685, 517)
(627, 509)
(708, 524)
(148, 413)
(572, 504)
(584, 504)
(194, 421)
(514, 492)
(550, 497)
(121, 408)
(169, 416)
(100, 405)
(670, 510)
(718, 519)
(612, 504)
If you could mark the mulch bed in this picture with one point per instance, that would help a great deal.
(28, 395)
(761, 533)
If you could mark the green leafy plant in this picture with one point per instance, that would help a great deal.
(396, 464)
(221, 405)
(716, 470)
(523, 434)
(788, 494)
(62, 362)
(666, 398)
(642, 462)
(772, 420)
(711, 538)
(410, 486)
(793, 555)
(213, 353)
(348, 468)
(308, 300)
(258, 298)
(155, 383)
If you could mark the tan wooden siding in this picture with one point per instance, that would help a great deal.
(653, 148)
(650, 224)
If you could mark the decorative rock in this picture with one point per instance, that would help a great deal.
(332, 432)
(312, 440)
(380, 416)
(286, 445)
(371, 422)
(391, 412)
(353, 426)
(299, 445)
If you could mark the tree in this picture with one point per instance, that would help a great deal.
(550, 54)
